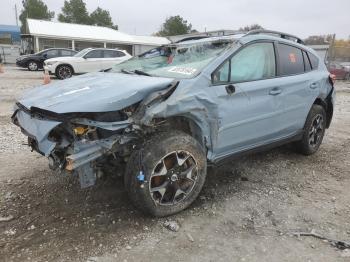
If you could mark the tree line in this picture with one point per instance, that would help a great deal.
(73, 11)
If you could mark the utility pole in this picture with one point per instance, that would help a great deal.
(16, 14)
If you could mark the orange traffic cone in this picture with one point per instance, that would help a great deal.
(1, 68)
(47, 79)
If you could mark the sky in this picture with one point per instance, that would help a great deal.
(144, 17)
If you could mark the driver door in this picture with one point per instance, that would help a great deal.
(93, 61)
(249, 107)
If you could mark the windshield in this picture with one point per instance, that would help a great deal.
(82, 52)
(175, 61)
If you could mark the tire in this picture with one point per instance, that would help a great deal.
(32, 66)
(64, 72)
(184, 163)
(314, 130)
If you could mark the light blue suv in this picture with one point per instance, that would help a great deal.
(159, 118)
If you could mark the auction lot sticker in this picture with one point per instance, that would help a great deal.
(182, 70)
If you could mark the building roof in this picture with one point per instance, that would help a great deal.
(92, 33)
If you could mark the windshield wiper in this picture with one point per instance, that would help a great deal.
(139, 72)
(126, 71)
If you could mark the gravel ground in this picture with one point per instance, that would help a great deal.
(248, 210)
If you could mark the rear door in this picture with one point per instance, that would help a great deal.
(247, 92)
(113, 57)
(299, 85)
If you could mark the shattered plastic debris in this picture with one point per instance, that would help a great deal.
(172, 226)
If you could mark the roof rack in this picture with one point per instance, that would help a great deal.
(280, 34)
(192, 38)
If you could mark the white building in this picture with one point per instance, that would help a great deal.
(46, 34)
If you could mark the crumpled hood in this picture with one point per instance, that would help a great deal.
(94, 92)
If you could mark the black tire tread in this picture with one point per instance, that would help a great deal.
(157, 145)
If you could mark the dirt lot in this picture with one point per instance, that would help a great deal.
(247, 211)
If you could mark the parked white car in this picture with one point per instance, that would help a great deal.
(87, 60)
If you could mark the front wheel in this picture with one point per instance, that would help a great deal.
(33, 66)
(314, 129)
(167, 174)
(64, 71)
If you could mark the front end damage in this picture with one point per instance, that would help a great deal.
(89, 144)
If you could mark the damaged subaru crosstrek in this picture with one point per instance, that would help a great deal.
(162, 117)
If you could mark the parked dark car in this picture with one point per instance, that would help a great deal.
(36, 61)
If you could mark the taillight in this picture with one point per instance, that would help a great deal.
(331, 79)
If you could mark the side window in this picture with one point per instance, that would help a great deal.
(290, 60)
(94, 54)
(313, 60)
(120, 54)
(221, 75)
(306, 62)
(113, 53)
(256, 61)
(66, 53)
(109, 53)
(51, 53)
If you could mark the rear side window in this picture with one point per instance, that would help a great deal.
(94, 54)
(290, 60)
(306, 62)
(120, 54)
(67, 53)
(52, 53)
(313, 60)
(113, 53)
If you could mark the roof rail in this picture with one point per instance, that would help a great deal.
(280, 34)
(192, 38)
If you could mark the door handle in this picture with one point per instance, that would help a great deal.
(230, 89)
(313, 85)
(275, 91)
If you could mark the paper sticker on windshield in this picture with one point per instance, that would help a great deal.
(183, 70)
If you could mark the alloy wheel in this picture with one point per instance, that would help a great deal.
(64, 72)
(316, 130)
(173, 178)
(33, 66)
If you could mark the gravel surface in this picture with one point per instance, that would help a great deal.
(248, 210)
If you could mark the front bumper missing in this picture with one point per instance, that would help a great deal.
(83, 154)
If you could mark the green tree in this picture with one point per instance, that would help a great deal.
(36, 9)
(102, 17)
(250, 27)
(175, 25)
(74, 11)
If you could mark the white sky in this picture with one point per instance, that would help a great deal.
(144, 17)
